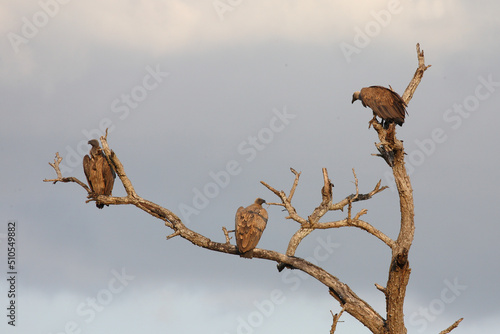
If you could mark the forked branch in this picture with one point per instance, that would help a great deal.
(336, 318)
(60, 178)
(312, 222)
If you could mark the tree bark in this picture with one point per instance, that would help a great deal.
(399, 270)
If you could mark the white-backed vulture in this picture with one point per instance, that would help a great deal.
(384, 102)
(100, 175)
(250, 222)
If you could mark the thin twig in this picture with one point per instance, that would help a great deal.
(295, 183)
(326, 191)
(336, 318)
(380, 287)
(356, 222)
(276, 192)
(226, 234)
(452, 327)
(176, 233)
(60, 178)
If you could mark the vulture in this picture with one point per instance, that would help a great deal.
(250, 222)
(99, 173)
(384, 102)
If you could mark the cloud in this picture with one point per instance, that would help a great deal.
(77, 30)
(227, 75)
(172, 26)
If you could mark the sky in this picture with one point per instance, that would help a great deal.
(190, 89)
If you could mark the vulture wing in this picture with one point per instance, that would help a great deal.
(87, 167)
(108, 175)
(250, 224)
(102, 177)
(97, 174)
(385, 103)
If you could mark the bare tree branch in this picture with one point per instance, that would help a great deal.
(295, 183)
(286, 202)
(417, 77)
(348, 299)
(336, 318)
(399, 272)
(356, 222)
(357, 197)
(60, 178)
(381, 288)
(312, 222)
(117, 165)
(173, 235)
(452, 327)
(226, 234)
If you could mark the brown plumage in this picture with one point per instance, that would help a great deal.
(384, 102)
(250, 222)
(99, 173)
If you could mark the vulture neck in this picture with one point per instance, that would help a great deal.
(95, 151)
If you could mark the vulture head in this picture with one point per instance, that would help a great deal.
(260, 201)
(94, 151)
(355, 96)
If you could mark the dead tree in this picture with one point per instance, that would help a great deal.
(399, 270)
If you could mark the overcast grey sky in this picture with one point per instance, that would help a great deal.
(189, 89)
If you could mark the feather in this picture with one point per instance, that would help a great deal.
(385, 103)
(250, 223)
(100, 175)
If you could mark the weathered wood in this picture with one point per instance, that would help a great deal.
(399, 271)
(452, 327)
